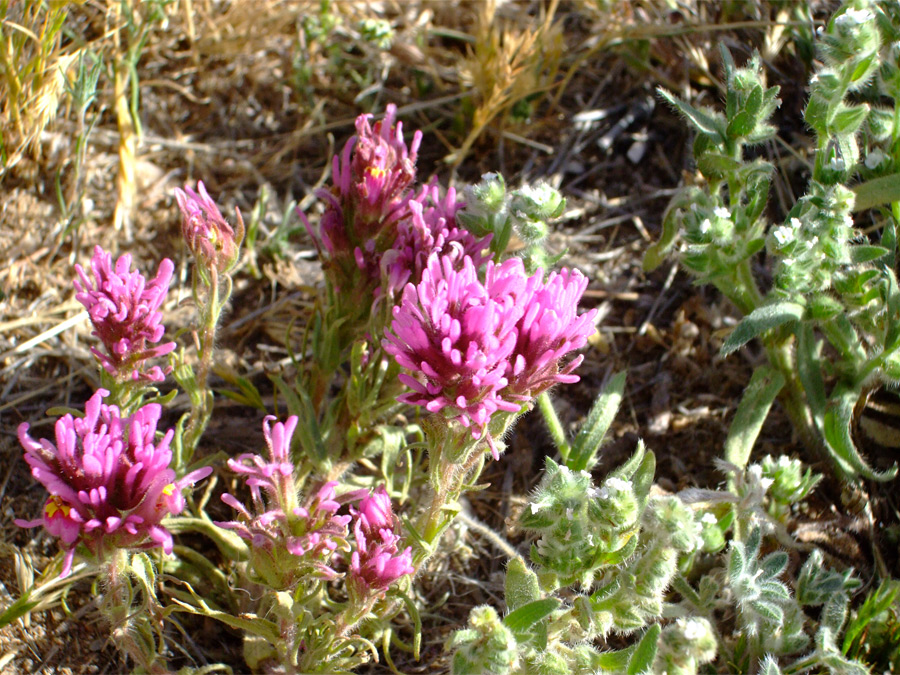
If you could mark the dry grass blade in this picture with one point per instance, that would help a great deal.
(506, 65)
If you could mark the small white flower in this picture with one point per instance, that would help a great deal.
(693, 629)
(603, 493)
(570, 513)
(722, 212)
(766, 483)
(874, 159)
(783, 235)
(705, 226)
(836, 164)
(617, 484)
(811, 244)
(796, 224)
(854, 17)
(535, 507)
(709, 519)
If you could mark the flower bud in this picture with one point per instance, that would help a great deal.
(215, 245)
(486, 647)
(684, 646)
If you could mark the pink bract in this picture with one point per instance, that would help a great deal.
(124, 310)
(377, 562)
(430, 229)
(109, 480)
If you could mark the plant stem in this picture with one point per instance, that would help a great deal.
(557, 433)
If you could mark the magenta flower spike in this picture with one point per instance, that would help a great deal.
(124, 310)
(368, 198)
(548, 330)
(376, 561)
(281, 531)
(214, 243)
(455, 335)
(109, 480)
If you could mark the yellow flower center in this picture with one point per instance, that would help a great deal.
(55, 505)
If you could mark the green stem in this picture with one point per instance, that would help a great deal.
(793, 396)
(551, 419)
(202, 405)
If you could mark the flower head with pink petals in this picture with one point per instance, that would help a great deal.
(474, 348)
(109, 480)
(377, 562)
(286, 539)
(124, 310)
(368, 198)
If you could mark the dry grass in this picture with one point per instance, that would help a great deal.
(254, 96)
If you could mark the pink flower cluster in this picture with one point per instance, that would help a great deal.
(377, 562)
(372, 226)
(285, 536)
(124, 309)
(210, 238)
(109, 480)
(276, 524)
(475, 347)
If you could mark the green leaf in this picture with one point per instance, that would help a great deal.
(645, 653)
(875, 603)
(671, 226)
(839, 440)
(717, 165)
(229, 544)
(142, 568)
(250, 623)
(849, 119)
(583, 454)
(864, 253)
(708, 123)
(752, 411)
(761, 320)
(741, 125)
(877, 192)
(519, 621)
(809, 369)
(18, 609)
(614, 662)
(521, 585)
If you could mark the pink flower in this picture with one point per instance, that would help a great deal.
(281, 531)
(456, 335)
(369, 197)
(377, 562)
(109, 480)
(473, 348)
(209, 237)
(124, 309)
(430, 229)
(548, 330)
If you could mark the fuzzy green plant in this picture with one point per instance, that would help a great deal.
(612, 559)
(830, 321)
